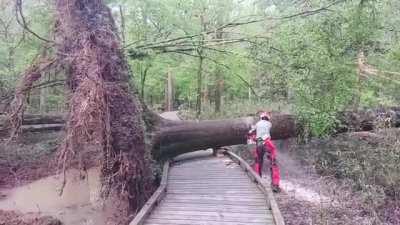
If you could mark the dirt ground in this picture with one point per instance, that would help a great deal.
(14, 218)
(308, 198)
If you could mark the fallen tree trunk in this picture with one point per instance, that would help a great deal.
(35, 128)
(171, 138)
(36, 119)
(185, 136)
(35, 123)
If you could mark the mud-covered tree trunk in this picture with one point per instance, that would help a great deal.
(104, 114)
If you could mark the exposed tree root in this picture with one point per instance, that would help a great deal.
(18, 104)
(104, 114)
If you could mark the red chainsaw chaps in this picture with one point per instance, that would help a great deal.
(271, 152)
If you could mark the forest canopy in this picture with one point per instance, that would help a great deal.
(312, 58)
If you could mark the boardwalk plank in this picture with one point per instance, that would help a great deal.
(210, 217)
(210, 191)
(194, 214)
(197, 222)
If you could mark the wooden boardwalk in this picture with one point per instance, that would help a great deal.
(204, 190)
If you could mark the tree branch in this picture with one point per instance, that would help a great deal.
(52, 83)
(19, 13)
(223, 65)
(234, 24)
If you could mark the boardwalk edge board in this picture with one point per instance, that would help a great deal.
(276, 213)
(154, 200)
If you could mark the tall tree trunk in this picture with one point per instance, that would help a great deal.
(143, 76)
(104, 114)
(169, 92)
(219, 76)
(205, 94)
(219, 79)
(122, 18)
(199, 84)
(219, 89)
(200, 52)
(44, 93)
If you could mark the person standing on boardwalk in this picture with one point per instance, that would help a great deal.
(264, 144)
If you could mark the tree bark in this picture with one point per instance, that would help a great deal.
(122, 18)
(104, 114)
(180, 137)
(218, 89)
(199, 84)
(44, 94)
(219, 76)
(169, 92)
(200, 52)
(143, 75)
(38, 119)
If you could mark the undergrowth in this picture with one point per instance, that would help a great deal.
(369, 160)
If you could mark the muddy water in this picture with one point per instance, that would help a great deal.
(79, 203)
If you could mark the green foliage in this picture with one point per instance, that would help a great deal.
(307, 62)
(314, 61)
(321, 77)
(237, 109)
(371, 162)
(18, 48)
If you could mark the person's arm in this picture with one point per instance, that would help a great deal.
(251, 135)
(253, 129)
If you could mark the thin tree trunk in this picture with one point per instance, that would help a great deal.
(205, 94)
(44, 92)
(169, 92)
(219, 78)
(143, 76)
(199, 85)
(122, 17)
(200, 52)
(219, 89)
